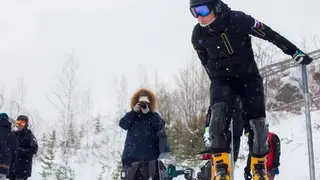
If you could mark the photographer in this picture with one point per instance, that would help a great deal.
(146, 139)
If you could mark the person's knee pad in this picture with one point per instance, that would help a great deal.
(218, 126)
(260, 137)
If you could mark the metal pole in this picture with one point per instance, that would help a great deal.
(232, 151)
(308, 121)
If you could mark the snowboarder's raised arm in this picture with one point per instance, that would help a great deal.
(249, 25)
(127, 120)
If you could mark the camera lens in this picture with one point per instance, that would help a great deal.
(143, 105)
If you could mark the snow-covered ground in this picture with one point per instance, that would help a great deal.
(294, 147)
(290, 128)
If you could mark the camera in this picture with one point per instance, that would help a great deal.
(143, 105)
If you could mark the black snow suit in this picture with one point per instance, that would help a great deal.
(27, 148)
(8, 144)
(225, 50)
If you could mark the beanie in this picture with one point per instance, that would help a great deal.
(4, 116)
(23, 118)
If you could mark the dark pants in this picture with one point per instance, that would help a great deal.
(225, 90)
(145, 170)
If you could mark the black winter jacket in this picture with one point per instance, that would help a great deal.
(27, 148)
(224, 47)
(146, 137)
(8, 146)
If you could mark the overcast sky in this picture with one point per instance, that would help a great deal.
(112, 37)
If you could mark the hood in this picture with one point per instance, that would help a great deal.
(221, 9)
(144, 92)
(5, 124)
(222, 12)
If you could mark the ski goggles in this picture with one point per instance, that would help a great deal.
(201, 10)
(20, 123)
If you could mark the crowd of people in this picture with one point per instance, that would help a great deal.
(17, 148)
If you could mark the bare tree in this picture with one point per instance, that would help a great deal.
(191, 95)
(86, 124)
(14, 109)
(21, 94)
(1, 101)
(165, 103)
(65, 99)
(122, 102)
(122, 98)
(143, 77)
(265, 53)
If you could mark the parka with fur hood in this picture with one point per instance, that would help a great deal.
(146, 137)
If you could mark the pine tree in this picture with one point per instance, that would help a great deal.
(81, 133)
(64, 170)
(97, 125)
(42, 144)
(116, 173)
(71, 139)
(47, 159)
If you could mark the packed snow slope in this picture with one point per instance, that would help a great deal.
(103, 149)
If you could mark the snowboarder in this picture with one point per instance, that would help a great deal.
(273, 158)
(146, 140)
(223, 43)
(27, 148)
(8, 145)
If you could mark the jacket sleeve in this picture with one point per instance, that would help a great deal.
(201, 52)
(277, 151)
(33, 146)
(159, 126)
(157, 122)
(249, 25)
(127, 120)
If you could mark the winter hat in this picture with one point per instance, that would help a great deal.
(4, 116)
(23, 118)
(144, 99)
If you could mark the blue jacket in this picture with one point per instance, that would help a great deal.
(145, 135)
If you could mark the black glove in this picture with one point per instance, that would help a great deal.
(302, 58)
(247, 175)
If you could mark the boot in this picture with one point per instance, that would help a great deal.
(221, 166)
(258, 168)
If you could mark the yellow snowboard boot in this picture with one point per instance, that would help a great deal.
(258, 168)
(221, 166)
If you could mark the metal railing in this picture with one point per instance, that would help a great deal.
(278, 67)
(284, 65)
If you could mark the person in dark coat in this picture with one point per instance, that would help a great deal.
(146, 139)
(222, 40)
(27, 148)
(8, 144)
